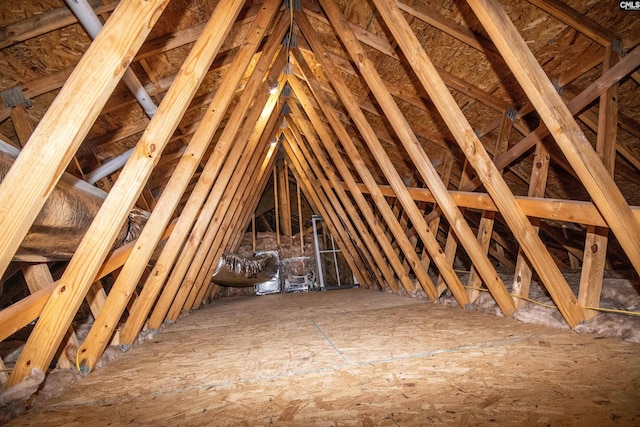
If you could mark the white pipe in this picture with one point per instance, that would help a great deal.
(92, 24)
(108, 168)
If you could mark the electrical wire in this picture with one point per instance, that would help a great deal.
(608, 310)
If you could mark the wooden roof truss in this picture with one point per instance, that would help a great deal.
(399, 196)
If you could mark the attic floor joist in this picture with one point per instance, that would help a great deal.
(375, 116)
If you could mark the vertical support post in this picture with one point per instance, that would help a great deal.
(595, 250)
(300, 220)
(276, 203)
(478, 157)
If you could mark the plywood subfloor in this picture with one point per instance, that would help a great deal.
(355, 357)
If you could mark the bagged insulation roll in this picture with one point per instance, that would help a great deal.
(236, 271)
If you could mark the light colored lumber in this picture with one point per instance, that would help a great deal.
(18, 315)
(478, 157)
(537, 185)
(300, 220)
(339, 163)
(284, 202)
(235, 179)
(451, 242)
(55, 140)
(276, 203)
(63, 304)
(568, 135)
(595, 248)
(37, 276)
(577, 211)
(157, 279)
(487, 221)
(427, 171)
(122, 289)
(22, 123)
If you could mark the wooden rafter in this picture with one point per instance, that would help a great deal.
(345, 209)
(477, 156)
(63, 304)
(344, 172)
(105, 323)
(559, 119)
(425, 167)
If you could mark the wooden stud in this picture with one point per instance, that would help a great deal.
(64, 302)
(253, 232)
(568, 135)
(55, 140)
(120, 294)
(284, 204)
(478, 157)
(288, 196)
(300, 220)
(451, 243)
(485, 229)
(191, 210)
(577, 211)
(276, 203)
(339, 203)
(523, 273)
(595, 253)
(22, 123)
(38, 277)
(256, 191)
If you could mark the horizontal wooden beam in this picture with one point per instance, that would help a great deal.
(576, 20)
(43, 23)
(574, 211)
(559, 119)
(28, 309)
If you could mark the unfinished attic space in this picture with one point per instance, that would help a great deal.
(319, 212)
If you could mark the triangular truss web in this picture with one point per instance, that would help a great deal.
(375, 131)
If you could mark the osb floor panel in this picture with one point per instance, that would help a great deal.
(355, 357)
